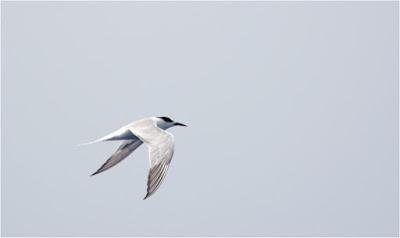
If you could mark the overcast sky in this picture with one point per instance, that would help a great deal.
(291, 107)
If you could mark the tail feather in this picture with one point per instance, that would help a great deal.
(92, 142)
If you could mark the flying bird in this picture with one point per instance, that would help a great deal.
(160, 143)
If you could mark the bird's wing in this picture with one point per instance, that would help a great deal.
(125, 149)
(160, 158)
(161, 150)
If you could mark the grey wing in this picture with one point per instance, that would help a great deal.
(161, 149)
(160, 154)
(123, 151)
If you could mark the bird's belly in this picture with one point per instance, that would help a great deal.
(126, 135)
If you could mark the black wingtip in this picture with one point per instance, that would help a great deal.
(94, 173)
(99, 170)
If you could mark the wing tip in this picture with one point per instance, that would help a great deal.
(147, 196)
(93, 174)
(98, 171)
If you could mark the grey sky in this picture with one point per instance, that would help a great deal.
(291, 107)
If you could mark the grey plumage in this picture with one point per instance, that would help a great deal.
(123, 151)
(160, 143)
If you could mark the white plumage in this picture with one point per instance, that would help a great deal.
(160, 143)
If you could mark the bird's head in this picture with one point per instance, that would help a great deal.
(166, 122)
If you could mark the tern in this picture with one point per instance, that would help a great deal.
(160, 143)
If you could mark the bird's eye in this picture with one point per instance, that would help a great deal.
(166, 119)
